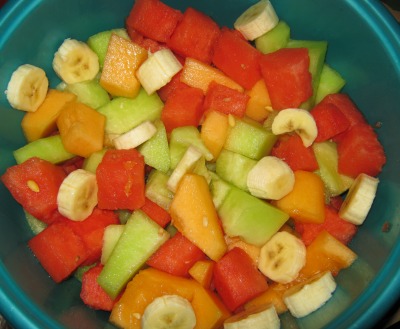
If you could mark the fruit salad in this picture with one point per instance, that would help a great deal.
(192, 175)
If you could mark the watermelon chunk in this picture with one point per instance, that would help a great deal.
(34, 185)
(339, 228)
(360, 151)
(195, 36)
(287, 77)
(226, 100)
(153, 19)
(237, 58)
(291, 149)
(176, 256)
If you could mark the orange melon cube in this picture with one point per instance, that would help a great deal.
(306, 202)
(214, 131)
(202, 272)
(273, 295)
(326, 253)
(122, 60)
(199, 75)
(194, 215)
(42, 122)
(259, 104)
(150, 283)
(81, 129)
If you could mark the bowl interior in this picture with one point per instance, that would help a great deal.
(364, 46)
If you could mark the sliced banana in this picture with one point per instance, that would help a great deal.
(260, 317)
(169, 312)
(74, 62)
(359, 199)
(307, 297)
(27, 88)
(135, 136)
(77, 195)
(187, 163)
(296, 120)
(271, 178)
(257, 20)
(282, 257)
(157, 70)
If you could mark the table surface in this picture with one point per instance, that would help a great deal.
(393, 317)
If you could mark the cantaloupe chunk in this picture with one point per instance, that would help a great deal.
(81, 129)
(150, 284)
(306, 202)
(202, 272)
(326, 253)
(273, 295)
(259, 104)
(122, 60)
(42, 122)
(199, 75)
(214, 131)
(193, 214)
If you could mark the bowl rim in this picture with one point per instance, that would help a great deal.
(22, 312)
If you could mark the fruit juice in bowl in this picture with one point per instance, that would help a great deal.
(161, 217)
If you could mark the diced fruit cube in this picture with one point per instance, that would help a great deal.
(195, 36)
(34, 184)
(153, 19)
(237, 58)
(122, 60)
(59, 250)
(176, 256)
(120, 180)
(42, 122)
(81, 129)
(140, 239)
(234, 271)
(306, 207)
(194, 215)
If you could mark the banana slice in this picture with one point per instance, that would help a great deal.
(75, 62)
(185, 165)
(135, 136)
(307, 297)
(296, 120)
(169, 312)
(260, 317)
(77, 195)
(359, 199)
(257, 20)
(27, 88)
(157, 70)
(271, 178)
(282, 257)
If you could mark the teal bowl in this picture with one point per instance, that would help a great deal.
(364, 46)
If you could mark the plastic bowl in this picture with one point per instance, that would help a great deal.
(364, 46)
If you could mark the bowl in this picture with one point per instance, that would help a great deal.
(364, 46)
